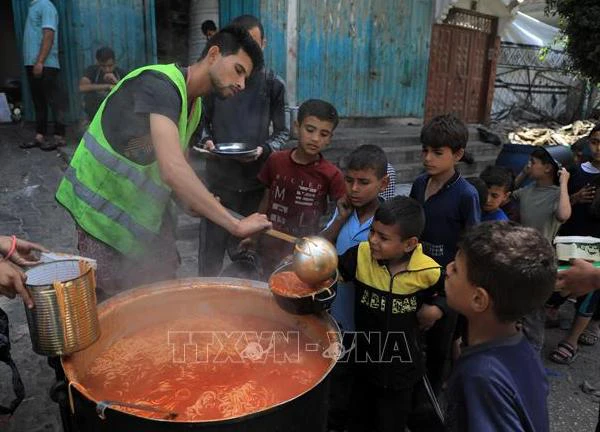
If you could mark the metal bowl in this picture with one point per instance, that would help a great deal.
(235, 149)
(315, 302)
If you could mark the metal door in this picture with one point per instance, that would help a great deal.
(462, 66)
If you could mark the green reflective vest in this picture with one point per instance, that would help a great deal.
(113, 198)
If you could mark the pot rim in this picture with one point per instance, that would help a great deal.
(184, 284)
(36, 285)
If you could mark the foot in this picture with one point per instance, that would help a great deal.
(38, 141)
(565, 353)
(48, 146)
(589, 336)
(60, 141)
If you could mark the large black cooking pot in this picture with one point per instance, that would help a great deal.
(140, 307)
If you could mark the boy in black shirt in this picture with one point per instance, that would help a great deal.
(393, 278)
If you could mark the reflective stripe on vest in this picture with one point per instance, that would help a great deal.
(142, 181)
(105, 207)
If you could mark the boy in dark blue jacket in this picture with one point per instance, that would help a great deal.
(451, 205)
(502, 271)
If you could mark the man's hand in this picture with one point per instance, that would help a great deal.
(585, 195)
(252, 224)
(24, 253)
(111, 78)
(580, 279)
(209, 145)
(428, 315)
(12, 282)
(344, 208)
(38, 68)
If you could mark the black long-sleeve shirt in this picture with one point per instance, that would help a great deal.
(247, 117)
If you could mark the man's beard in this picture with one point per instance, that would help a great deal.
(218, 89)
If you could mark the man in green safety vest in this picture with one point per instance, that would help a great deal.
(131, 160)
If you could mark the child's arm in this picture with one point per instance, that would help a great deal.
(563, 212)
(264, 202)
(340, 216)
(523, 175)
(434, 304)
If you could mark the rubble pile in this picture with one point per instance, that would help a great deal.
(550, 134)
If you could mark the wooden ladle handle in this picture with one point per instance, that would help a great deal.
(273, 233)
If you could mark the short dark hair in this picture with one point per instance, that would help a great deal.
(233, 38)
(367, 156)
(445, 131)
(249, 22)
(516, 265)
(320, 109)
(500, 176)
(480, 187)
(105, 54)
(405, 212)
(541, 154)
(208, 25)
(594, 130)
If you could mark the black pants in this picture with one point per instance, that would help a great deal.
(47, 90)
(379, 410)
(214, 240)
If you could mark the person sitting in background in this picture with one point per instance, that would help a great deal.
(499, 182)
(209, 28)
(98, 80)
(502, 271)
(15, 253)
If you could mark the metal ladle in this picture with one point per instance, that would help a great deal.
(314, 260)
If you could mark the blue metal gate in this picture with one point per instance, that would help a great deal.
(127, 26)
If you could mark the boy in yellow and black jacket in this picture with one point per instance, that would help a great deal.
(396, 298)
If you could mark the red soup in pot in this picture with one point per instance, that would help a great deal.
(200, 375)
(288, 284)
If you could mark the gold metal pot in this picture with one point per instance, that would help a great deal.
(315, 259)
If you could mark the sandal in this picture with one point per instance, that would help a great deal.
(588, 337)
(565, 353)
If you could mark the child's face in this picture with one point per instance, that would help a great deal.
(457, 286)
(314, 135)
(497, 195)
(386, 243)
(594, 144)
(440, 160)
(363, 186)
(539, 170)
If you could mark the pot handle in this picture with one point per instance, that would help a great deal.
(102, 405)
(330, 296)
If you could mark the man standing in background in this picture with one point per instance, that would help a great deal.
(40, 57)
(246, 117)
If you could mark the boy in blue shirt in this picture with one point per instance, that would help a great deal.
(499, 181)
(451, 205)
(365, 177)
(502, 271)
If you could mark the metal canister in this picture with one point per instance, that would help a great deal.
(64, 319)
